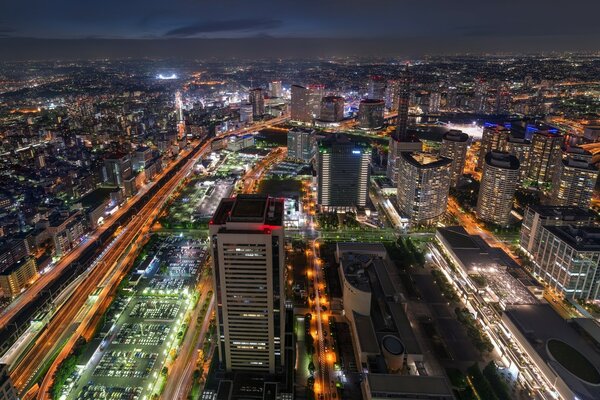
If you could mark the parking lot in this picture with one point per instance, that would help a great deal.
(146, 326)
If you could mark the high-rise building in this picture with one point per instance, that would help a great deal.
(574, 180)
(402, 140)
(480, 104)
(502, 100)
(247, 113)
(257, 99)
(521, 148)
(423, 187)
(567, 258)
(316, 93)
(497, 189)
(391, 94)
(332, 109)
(370, 114)
(247, 244)
(494, 137)
(301, 144)
(454, 146)
(342, 173)
(546, 153)
(275, 89)
(300, 104)
(376, 87)
(117, 169)
(538, 216)
(16, 277)
(403, 103)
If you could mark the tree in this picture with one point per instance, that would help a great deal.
(311, 368)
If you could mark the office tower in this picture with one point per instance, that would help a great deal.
(454, 146)
(179, 106)
(538, 216)
(247, 244)
(502, 100)
(480, 101)
(370, 113)
(15, 277)
(423, 186)
(117, 169)
(301, 144)
(376, 87)
(332, 109)
(342, 173)
(574, 180)
(433, 102)
(494, 137)
(497, 189)
(402, 140)
(521, 148)
(275, 89)
(391, 94)
(300, 104)
(568, 259)
(546, 153)
(403, 102)
(257, 99)
(247, 113)
(316, 93)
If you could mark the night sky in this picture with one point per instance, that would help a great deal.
(411, 26)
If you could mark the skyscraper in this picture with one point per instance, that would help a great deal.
(454, 146)
(502, 100)
(342, 173)
(316, 93)
(275, 89)
(494, 138)
(370, 113)
(332, 109)
(574, 180)
(423, 186)
(546, 153)
(391, 94)
(247, 113)
(301, 145)
(376, 87)
(402, 140)
(497, 189)
(521, 148)
(257, 99)
(300, 104)
(247, 244)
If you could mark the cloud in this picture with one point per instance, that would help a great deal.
(232, 25)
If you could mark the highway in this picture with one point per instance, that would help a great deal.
(107, 276)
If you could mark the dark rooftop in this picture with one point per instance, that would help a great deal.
(580, 238)
(502, 159)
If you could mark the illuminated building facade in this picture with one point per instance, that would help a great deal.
(454, 146)
(247, 244)
(497, 189)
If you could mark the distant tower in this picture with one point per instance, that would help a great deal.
(275, 89)
(498, 184)
(574, 180)
(546, 153)
(376, 87)
(494, 138)
(179, 106)
(332, 109)
(370, 113)
(521, 148)
(401, 140)
(454, 146)
(257, 99)
(423, 186)
(300, 104)
(503, 100)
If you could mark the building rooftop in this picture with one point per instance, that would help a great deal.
(585, 238)
(541, 326)
(564, 213)
(425, 160)
(409, 386)
(502, 159)
(250, 208)
(454, 135)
